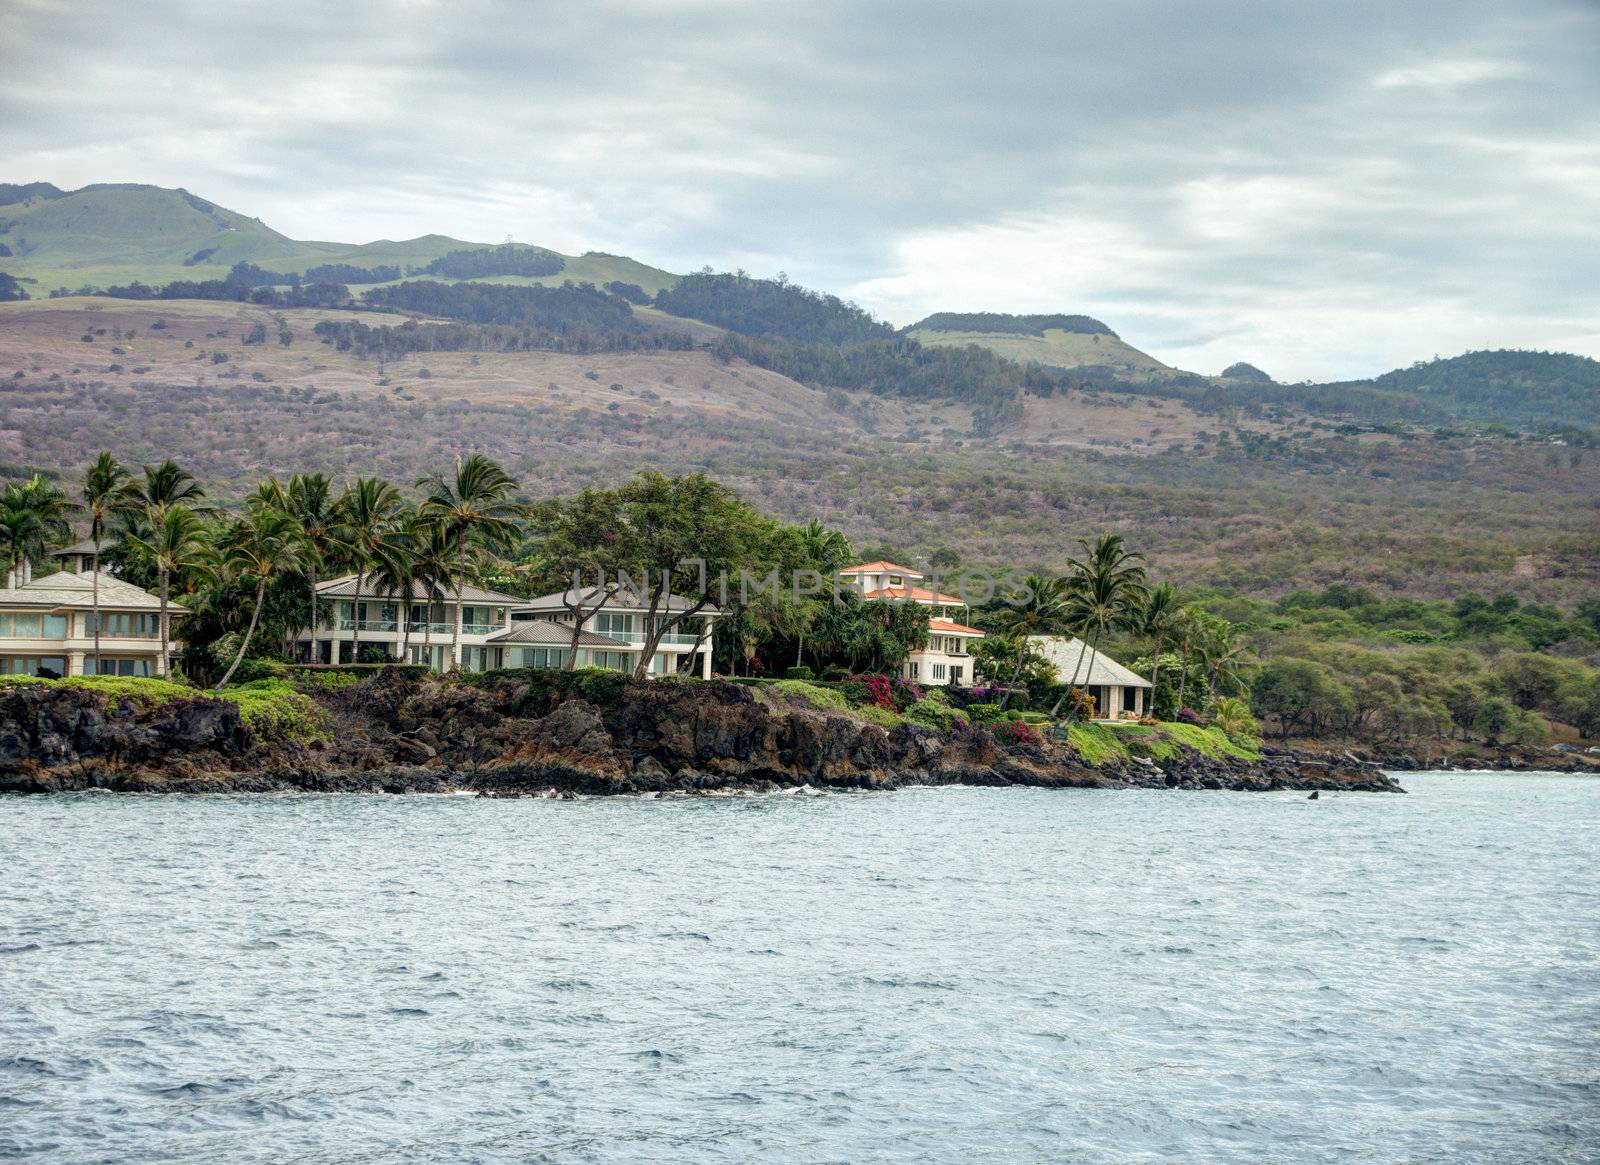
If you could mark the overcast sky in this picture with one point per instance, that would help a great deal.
(1324, 189)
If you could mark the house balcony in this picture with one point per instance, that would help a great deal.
(419, 627)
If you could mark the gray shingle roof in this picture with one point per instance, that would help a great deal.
(345, 588)
(544, 631)
(66, 589)
(1096, 669)
(627, 600)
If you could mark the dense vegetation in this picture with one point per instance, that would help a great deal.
(1000, 322)
(563, 333)
(346, 273)
(770, 308)
(560, 310)
(1513, 386)
(1338, 663)
(506, 259)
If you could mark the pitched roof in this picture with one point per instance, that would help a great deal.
(1096, 669)
(78, 549)
(625, 600)
(555, 634)
(951, 627)
(67, 589)
(880, 567)
(917, 595)
(345, 588)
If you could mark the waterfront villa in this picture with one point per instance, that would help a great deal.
(686, 649)
(1119, 693)
(497, 630)
(944, 657)
(47, 625)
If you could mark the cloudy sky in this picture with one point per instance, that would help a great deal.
(1323, 189)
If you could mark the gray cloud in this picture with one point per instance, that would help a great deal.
(1324, 190)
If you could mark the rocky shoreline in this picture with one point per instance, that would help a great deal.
(502, 736)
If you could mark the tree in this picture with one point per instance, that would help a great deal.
(1040, 610)
(33, 515)
(1299, 692)
(107, 489)
(582, 533)
(265, 544)
(1105, 592)
(476, 512)
(1157, 620)
(172, 541)
(366, 532)
(308, 499)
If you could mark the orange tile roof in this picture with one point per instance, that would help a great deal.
(947, 626)
(879, 567)
(917, 594)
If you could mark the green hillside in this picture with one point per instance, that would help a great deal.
(119, 233)
(1511, 386)
(1075, 345)
(129, 225)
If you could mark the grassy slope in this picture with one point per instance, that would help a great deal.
(1057, 348)
(113, 234)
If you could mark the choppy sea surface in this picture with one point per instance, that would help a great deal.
(927, 975)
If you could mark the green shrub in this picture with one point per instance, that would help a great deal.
(835, 674)
(276, 710)
(799, 673)
(984, 713)
(933, 714)
(1096, 743)
(254, 668)
(819, 697)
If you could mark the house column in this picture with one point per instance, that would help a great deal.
(455, 647)
(75, 663)
(705, 661)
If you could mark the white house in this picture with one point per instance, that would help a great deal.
(497, 630)
(1119, 694)
(684, 649)
(944, 657)
(47, 625)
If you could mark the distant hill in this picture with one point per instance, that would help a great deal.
(118, 233)
(1243, 371)
(1056, 341)
(1509, 386)
(130, 224)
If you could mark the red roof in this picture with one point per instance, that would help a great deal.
(916, 594)
(947, 627)
(879, 568)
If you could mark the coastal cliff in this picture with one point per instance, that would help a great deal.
(517, 734)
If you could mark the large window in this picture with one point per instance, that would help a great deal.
(32, 665)
(613, 623)
(938, 671)
(123, 667)
(615, 660)
(126, 625)
(33, 626)
(538, 656)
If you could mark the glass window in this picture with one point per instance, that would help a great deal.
(613, 623)
(938, 671)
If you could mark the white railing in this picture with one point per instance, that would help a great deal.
(671, 638)
(419, 627)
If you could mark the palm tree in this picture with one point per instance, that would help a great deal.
(172, 542)
(1223, 652)
(368, 524)
(475, 510)
(1158, 620)
(430, 572)
(308, 499)
(33, 514)
(825, 551)
(1106, 584)
(395, 572)
(107, 489)
(265, 544)
(166, 485)
(1041, 611)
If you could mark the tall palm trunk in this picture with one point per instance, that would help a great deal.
(1155, 674)
(403, 610)
(311, 652)
(96, 602)
(461, 586)
(1183, 677)
(166, 654)
(427, 630)
(249, 633)
(355, 618)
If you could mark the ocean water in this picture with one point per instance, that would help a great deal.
(927, 975)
